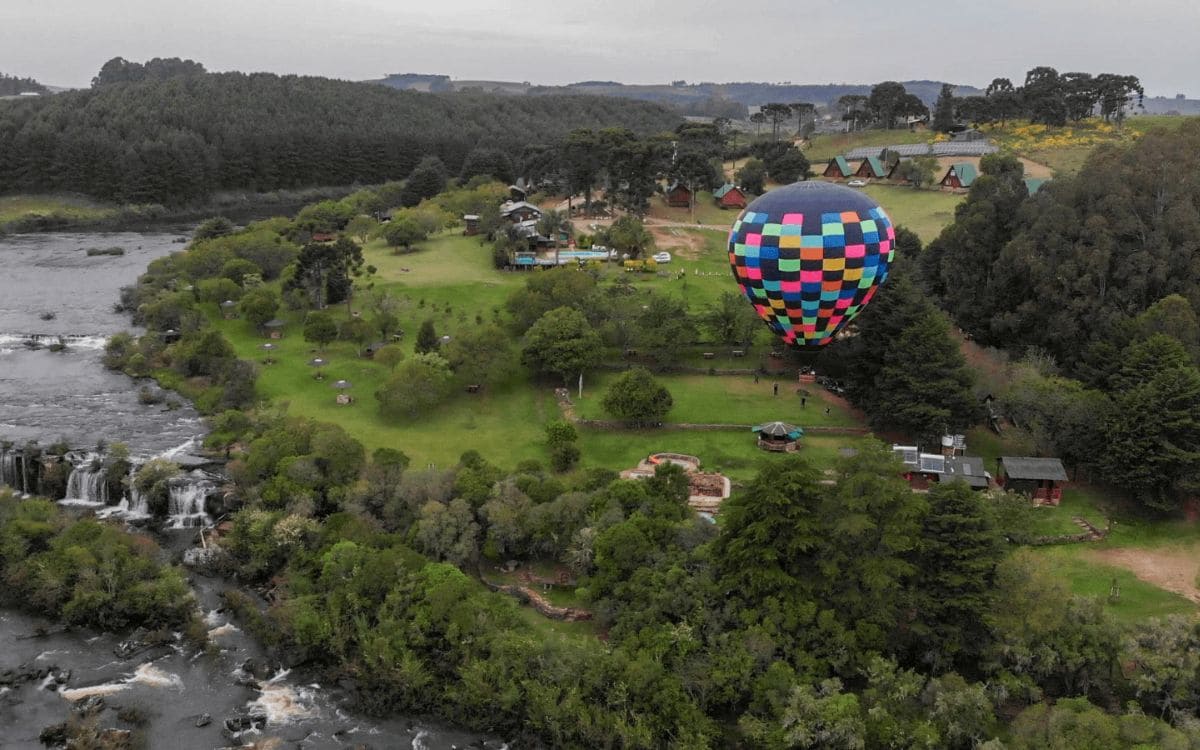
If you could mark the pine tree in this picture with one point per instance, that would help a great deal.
(958, 553)
(427, 338)
(943, 110)
(924, 387)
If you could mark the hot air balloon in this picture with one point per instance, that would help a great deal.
(809, 256)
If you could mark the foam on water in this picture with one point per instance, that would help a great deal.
(283, 703)
(146, 674)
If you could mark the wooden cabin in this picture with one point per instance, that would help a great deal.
(730, 196)
(872, 169)
(838, 168)
(959, 176)
(678, 195)
(1040, 478)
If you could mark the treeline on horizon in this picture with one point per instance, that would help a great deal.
(14, 85)
(168, 132)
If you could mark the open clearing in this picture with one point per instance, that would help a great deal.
(1173, 569)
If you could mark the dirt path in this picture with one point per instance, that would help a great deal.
(1171, 568)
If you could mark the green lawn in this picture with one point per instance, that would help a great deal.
(729, 399)
(925, 212)
(706, 211)
(1138, 601)
(731, 452)
(14, 207)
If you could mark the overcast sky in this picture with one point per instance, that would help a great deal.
(64, 42)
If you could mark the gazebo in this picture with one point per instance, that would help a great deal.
(778, 436)
(343, 398)
(318, 364)
(269, 348)
(274, 327)
(229, 309)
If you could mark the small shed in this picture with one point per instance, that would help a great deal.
(838, 168)
(959, 176)
(678, 195)
(324, 236)
(872, 168)
(274, 328)
(471, 224)
(1040, 478)
(778, 436)
(229, 309)
(730, 196)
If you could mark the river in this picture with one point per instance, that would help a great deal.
(52, 291)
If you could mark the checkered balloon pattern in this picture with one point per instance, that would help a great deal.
(809, 257)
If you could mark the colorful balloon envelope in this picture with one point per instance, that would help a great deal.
(809, 256)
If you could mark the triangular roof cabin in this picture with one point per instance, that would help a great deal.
(872, 168)
(961, 175)
(838, 167)
(1034, 184)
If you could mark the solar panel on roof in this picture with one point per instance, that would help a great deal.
(933, 463)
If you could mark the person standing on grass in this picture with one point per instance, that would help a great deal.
(776, 389)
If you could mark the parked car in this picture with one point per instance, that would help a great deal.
(663, 257)
(857, 183)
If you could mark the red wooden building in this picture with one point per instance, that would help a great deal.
(678, 195)
(872, 169)
(959, 176)
(730, 196)
(838, 168)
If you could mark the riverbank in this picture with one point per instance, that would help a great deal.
(21, 214)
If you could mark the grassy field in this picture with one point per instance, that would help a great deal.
(1138, 600)
(826, 146)
(727, 399)
(731, 452)
(925, 212)
(707, 211)
(451, 280)
(15, 207)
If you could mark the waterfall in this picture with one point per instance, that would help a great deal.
(186, 500)
(9, 473)
(14, 469)
(88, 482)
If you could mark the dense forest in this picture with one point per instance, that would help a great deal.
(171, 134)
(13, 85)
(1093, 285)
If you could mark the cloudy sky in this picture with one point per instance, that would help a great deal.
(64, 42)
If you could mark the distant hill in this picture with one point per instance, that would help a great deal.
(177, 139)
(690, 97)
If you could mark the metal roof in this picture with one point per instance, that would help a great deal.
(721, 191)
(946, 148)
(842, 165)
(779, 430)
(967, 468)
(511, 207)
(875, 166)
(1034, 184)
(1022, 467)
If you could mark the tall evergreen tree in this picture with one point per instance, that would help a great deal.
(943, 110)
(956, 564)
